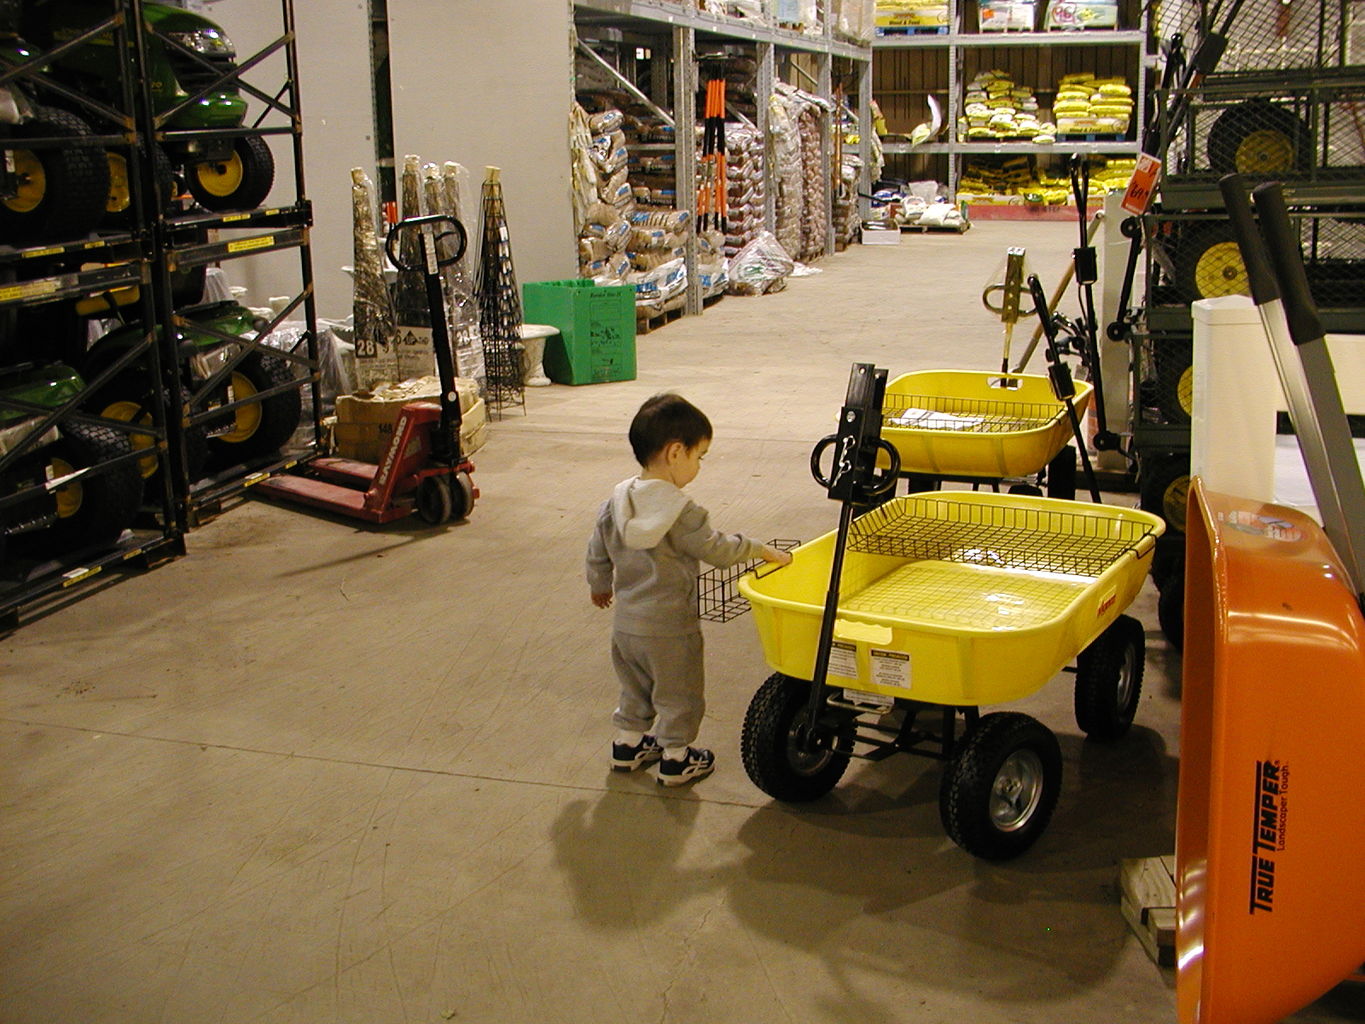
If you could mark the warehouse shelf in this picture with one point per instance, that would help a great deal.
(1004, 148)
(966, 40)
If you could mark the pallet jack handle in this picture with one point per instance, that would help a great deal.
(1279, 287)
(445, 440)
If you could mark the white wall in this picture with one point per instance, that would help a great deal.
(334, 82)
(475, 81)
(482, 82)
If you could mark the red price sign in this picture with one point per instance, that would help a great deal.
(1142, 185)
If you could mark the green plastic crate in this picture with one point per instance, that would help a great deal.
(596, 341)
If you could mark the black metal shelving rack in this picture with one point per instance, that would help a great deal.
(61, 270)
(1280, 105)
(158, 243)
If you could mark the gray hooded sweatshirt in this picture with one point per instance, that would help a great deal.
(651, 537)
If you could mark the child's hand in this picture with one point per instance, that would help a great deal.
(602, 600)
(770, 554)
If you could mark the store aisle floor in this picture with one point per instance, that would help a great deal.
(312, 772)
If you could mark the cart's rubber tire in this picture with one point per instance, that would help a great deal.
(1170, 612)
(1164, 486)
(1168, 559)
(1030, 490)
(463, 491)
(917, 482)
(119, 207)
(1109, 680)
(1259, 139)
(1061, 474)
(434, 500)
(1208, 264)
(128, 397)
(1000, 788)
(261, 428)
(768, 744)
(65, 189)
(241, 182)
(95, 509)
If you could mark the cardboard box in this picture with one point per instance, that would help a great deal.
(365, 422)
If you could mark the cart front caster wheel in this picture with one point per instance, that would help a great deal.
(1000, 788)
(1109, 680)
(774, 727)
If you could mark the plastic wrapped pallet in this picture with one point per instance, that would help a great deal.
(814, 188)
(786, 140)
(746, 190)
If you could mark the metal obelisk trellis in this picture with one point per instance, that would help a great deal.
(499, 303)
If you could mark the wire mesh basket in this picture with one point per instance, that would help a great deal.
(974, 415)
(718, 599)
(1005, 535)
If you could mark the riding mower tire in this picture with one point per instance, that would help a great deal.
(773, 725)
(119, 206)
(129, 397)
(1260, 139)
(260, 428)
(1001, 787)
(65, 188)
(96, 509)
(240, 182)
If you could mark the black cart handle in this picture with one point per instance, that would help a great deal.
(391, 240)
(877, 485)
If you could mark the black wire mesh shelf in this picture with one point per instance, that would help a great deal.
(718, 596)
(966, 415)
(1000, 536)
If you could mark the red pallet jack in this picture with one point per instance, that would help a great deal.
(423, 469)
(1269, 836)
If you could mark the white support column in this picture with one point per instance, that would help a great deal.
(865, 138)
(767, 76)
(825, 89)
(1115, 356)
(685, 150)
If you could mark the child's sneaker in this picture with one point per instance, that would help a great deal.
(696, 765)
(625, 758)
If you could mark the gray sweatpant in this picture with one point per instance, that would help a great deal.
(663, 685)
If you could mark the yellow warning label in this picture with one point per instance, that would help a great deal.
(247, 244)
(33, 253)
(28, 290)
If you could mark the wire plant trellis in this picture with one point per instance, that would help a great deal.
(1002, 536)
(500, 313)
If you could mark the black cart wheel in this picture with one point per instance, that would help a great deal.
(1208, 264)
(1170, 611)
(93, 509)
(1000, 789)
(435, 502)
(61, 190)
(239, 182)
(262, 427)
(770, 744)
(1109, 679)
(1028, 490)
(1061, 474)
(1259, 139)
(1164, 486)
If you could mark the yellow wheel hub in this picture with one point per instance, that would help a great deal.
(247, 417)
(129, 412)
(1267, 151)
(1184, 391)
(32, 182)
(220, 178)
(119, 195)
(1220, 271)
(70, 496)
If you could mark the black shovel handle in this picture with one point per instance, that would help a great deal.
(1287, 259)
(1264, 288)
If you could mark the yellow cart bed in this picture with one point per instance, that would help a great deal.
(948, 601)
(973, 425)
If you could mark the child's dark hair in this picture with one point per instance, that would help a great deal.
(663, 419)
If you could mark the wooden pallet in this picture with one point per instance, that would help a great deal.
(1147, 901)
(645, 324)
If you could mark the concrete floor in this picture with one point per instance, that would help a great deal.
(315, 772)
